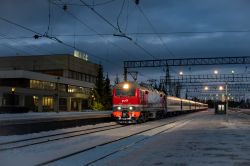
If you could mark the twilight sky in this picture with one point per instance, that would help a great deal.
(185, 28)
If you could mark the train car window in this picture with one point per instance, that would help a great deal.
(123, 92)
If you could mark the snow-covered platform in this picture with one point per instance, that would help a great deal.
(34, 117)
(36, 122)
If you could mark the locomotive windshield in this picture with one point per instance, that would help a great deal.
(125, 92)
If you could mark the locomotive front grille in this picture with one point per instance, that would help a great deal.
(125, 114)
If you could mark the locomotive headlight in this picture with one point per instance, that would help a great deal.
(130, 108)
(126, 86)
(119, 108)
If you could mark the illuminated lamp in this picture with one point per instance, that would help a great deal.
(13, 90)
(126, 86)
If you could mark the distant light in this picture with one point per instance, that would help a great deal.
(221, 88)
(125, 86)
(181, 73)
(216, 72)
(13, 89)
(206, 88)
(232, 71)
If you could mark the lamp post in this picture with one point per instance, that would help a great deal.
(226, 98)
(57, 95)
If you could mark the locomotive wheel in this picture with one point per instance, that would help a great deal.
(142, 118)
(159, 115)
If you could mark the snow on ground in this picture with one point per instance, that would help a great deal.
(208, 140)
(39, 115)
(33, 155)
(45, 133)
(202, 139)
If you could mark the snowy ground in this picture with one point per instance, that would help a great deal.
(207, 140)
(194, 139)
(35, 115)
(4, 139)
(30, 117)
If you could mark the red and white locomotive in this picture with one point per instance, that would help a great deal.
(133, 103)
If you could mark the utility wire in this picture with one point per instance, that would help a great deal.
(190, 32)
(93, 30)
(126, 25)
(12, 47)
(167, 33)
(119, 15)
(102, 17)
(117, 29)
(75, 4)
(46, 36)
(153, 28)
(49, 17)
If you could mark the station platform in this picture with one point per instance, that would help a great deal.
(31, 117)
(35, 122)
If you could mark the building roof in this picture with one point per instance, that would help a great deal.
(48, 62)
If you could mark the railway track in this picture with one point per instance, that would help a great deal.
(162, 128)
(54, 137)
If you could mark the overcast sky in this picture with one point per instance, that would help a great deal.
(186, 28)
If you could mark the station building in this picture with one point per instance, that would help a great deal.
(46, 83)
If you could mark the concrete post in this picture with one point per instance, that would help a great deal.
(1, 99)
(40, 103)
(69, 104)
(22, 100)
(56, 103)
(79, 105)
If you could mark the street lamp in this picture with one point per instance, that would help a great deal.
(206, 88)
(181, 73)
(232, 71)
(221, 88)
(216, 71)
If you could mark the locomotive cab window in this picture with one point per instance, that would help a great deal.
(125, 92)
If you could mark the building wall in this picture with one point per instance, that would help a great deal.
(49, 64)
(37, 92)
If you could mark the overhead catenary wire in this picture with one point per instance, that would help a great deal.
(75, 4)
(49, 17)
(14, 48)
(153, 28)
(93, 30)
(127, 16)
(119, 15)
(100, 15)
(168, 33)
(117, 29)
(33, 47)
(46, 36)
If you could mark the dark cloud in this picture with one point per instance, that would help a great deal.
(166, 16)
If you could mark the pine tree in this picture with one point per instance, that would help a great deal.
(117, 80)
(99, 86)
(107, 102)
(97, 94)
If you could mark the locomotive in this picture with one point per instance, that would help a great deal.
(134, 103)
